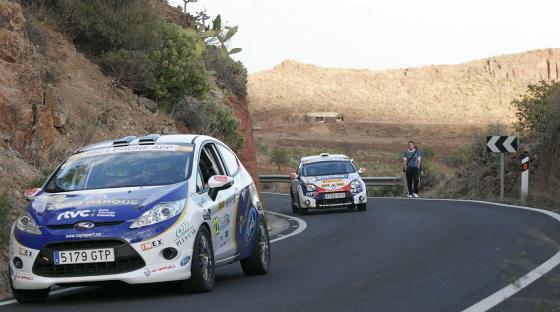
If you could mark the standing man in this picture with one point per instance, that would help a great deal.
(411, 161)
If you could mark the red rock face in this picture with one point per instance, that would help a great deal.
(248, 155)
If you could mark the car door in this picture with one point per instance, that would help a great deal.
(222, 210)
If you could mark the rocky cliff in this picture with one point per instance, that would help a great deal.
(477, 92)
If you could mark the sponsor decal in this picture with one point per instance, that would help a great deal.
(150, 245)
(185, 260)
(94, 202)
(135, 148)
(220, 178)
(24, 277)
(182, 229)
(251, 225)
(221, 223)
(188, 234)
(206, 214)
(25, 252)
(96, 196)
(83, 235)
(221, 205)
(332, 177)
(161, 268)
(85, 213)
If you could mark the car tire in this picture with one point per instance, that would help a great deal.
(259, 262)
(302, 211)
(294, 207)
(362, 207)
(29, 295)
(203, 264)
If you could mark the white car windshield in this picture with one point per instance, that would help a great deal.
(117, 167)
(327, 168)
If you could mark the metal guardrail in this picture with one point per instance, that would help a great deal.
(369, 181)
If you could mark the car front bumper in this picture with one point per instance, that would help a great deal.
(155, 267)
(314, 203)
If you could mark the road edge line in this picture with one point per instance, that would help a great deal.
(302, 225)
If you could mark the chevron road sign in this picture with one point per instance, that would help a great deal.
(501, 144)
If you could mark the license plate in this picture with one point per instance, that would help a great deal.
(335, 195)
(84, 256)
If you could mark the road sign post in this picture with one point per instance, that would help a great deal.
(524, 180)
(502, 145)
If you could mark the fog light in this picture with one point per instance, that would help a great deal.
(169, 253)
(362, 198)
(18, 263)
(308, 202)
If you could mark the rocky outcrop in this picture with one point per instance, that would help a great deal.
(471, 93)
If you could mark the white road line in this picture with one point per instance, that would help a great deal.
(526, 280)
(302, 226)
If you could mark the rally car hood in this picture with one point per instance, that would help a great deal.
(104, 205)
(331, 183)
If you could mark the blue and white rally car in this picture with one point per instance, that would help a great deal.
(139, 210)
(327, 181)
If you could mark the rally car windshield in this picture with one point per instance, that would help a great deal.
(327, 168)
(118, 168)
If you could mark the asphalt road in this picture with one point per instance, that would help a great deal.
(400, 255)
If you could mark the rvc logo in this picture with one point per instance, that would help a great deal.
(74, 214)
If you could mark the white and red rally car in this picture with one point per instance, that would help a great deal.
(327, 181)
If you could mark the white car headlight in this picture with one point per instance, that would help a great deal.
(159, 213)
(311, 188)
(28, 225)
(355, 184)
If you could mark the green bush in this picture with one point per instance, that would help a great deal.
(280, 157)
(99, 26)
(538, 108)
(210, 118)
(231, 75)
(179, 68)
(133, 69)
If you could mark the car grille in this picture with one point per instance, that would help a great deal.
(335, 202)
(126, 259)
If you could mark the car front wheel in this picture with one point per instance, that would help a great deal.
(29, 295)
(202, 267)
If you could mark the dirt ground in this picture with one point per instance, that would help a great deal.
(375, 144)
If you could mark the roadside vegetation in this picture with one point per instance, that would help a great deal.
(158, 59)
(538, 129)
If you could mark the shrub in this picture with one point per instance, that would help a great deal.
(231, 75)
(210, 118)
(133, 69)
(179, 69)
(537, 108)
(98, 26)
(280, 157)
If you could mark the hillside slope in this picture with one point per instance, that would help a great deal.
(477, 92)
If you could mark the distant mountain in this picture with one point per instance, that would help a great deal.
(477, 92)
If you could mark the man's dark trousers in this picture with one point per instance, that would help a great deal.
(412, 177)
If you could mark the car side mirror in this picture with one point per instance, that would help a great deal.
(218, 183)
(30, 193)
(362, 171)
(293, 176)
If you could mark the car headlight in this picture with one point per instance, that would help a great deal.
(310, 188)
(28, 225)
(159, 213)
(355, 184)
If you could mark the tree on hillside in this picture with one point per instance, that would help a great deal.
(280, 157)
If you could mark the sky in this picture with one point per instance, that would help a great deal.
(384, 34)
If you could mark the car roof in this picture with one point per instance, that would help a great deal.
(324, 157)
(148, 139)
